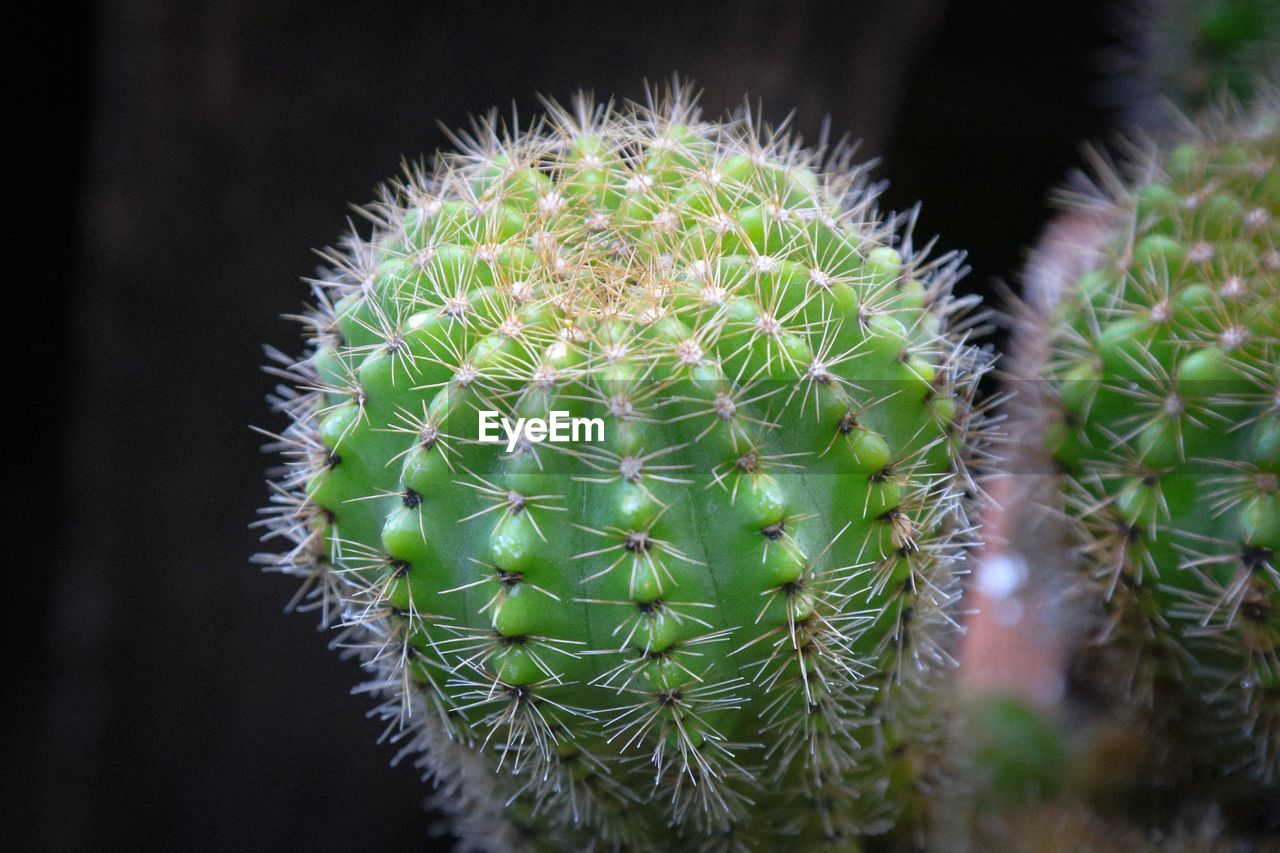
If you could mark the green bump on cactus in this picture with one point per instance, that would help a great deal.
(1166, 364)
(721, 624)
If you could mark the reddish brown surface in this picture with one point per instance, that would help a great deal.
(1019, 633)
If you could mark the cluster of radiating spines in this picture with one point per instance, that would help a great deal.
(1167, 366)
(707, 613)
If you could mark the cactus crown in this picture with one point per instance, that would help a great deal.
(714, 621)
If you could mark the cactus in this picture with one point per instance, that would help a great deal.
(720, 622)
(1195, 52)
(1163, 410)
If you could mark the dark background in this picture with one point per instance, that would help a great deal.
(199, 151)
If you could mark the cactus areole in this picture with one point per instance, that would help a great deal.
(701, 595)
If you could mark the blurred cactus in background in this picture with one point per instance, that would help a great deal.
(1164, 415)
(1193, 54)
(1139, 498)
(1150, 307)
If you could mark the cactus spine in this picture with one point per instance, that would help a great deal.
(721, 625)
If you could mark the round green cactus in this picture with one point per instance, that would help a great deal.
(1165, 415)
(711, 615)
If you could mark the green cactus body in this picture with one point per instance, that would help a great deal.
(713, 620)
(1164, 362)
